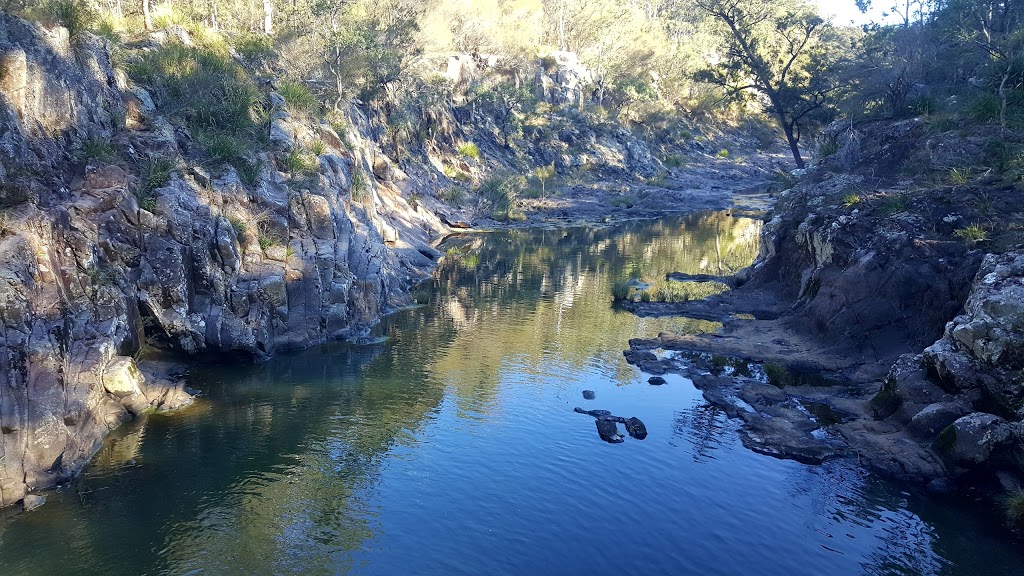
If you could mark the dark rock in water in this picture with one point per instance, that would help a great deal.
(941, 486)
(656, 380)
(589, 395)
(594, 413)
(635, 427)
(32, 501)
(609, 431)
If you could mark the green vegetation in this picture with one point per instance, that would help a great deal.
(1014, 507)
(298, 163)
(971, 234)
(723, 153)
(674, 161)
(240, 225)
(543, 174)
(299, 99)
(75, 15)
(360, 188)
(469, 150)
(894, 204)
(851, 200)
(501, 192)
(95, 149)
(959, 175)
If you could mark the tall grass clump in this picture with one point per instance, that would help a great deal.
(75, 15)
(298, 98)
(204, 89)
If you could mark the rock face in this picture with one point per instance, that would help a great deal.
(206, 264)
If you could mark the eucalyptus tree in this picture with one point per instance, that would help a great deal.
(783, 52)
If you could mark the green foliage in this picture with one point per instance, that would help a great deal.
(77, 16)
(96, 149)
(155, 172)
(894, 204)
(202, 87)
(222, 146)
(851, 200)
(248, 171)
(501, 192)
(984, 108)
(360, 189)
(959, 175)
(971, 234)
(298, 97)
(543, 174)
(297, 163)
(674, 161)
(1014, 507)
(723, 153)
(453, 195)
(255, 48)
(318, 147)
(624, 201)
(469, 150)
(240, 225)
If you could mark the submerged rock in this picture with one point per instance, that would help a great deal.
(589, 395)
(656, 381)
(32, 501)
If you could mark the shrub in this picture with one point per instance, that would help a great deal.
(240, 225)
(971, 234)
(155, 173)
(723, 153)
(959, 175)
(1014, 507)
(203, 88)
(95, 149)
(469, 150)
(984, 108)
(75, 15)
(895, 203)
(359, 185)
(851, 200)
(453, 195)
(255, 48)
(299, 99)
(222, 147)
(295, 162)
(318, 147)
(674, 161)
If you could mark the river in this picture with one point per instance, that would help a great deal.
(453, 448)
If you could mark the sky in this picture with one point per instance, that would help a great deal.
(843, 11)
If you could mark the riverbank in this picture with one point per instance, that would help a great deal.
(873, 326)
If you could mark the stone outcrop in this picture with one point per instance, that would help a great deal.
(868, 298)
(203, 263)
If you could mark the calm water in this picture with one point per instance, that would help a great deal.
(453, 449)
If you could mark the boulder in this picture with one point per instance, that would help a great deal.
(974, 440)
(608, 431)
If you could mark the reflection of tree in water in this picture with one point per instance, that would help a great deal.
(536, 295)
(704, 428)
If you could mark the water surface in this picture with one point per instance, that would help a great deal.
(453, 449)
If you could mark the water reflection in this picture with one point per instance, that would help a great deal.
(453, 448)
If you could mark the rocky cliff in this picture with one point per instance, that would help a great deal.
(200, 263)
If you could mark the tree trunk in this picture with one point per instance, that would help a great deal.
(268, 17)
(148, 14)
(794, 142)
(1002, 98)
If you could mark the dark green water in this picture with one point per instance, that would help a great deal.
(453, 449)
